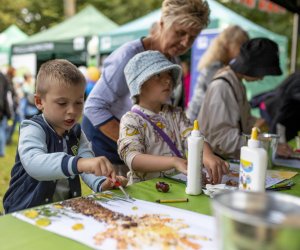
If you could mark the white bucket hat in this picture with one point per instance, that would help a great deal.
(146, 64)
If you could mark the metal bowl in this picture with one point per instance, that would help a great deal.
(267, 141)
(257, 221)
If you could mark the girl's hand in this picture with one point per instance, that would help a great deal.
(180, 164)
(216, 167)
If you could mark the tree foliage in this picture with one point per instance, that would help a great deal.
(278, 23)
(122, 11)
(33, 16)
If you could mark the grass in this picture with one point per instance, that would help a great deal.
(6, 164)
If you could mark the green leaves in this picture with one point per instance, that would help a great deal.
(33, 16)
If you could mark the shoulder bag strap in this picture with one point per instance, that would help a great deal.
(235, 96)
(160, 131)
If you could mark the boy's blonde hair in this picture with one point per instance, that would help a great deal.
(218, 50)
(189, 13)
(58, 71)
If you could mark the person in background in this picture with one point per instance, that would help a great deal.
(281, 109)
(180, 24)
(186, 80)
(285, 120)
(220, 52)
(151, 78)
(225, 112)
(10, 74)
(53, 151)
(5, 112)
(27, 102)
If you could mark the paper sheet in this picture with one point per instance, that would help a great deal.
(273, 176)
(124, 225)
(293, 163)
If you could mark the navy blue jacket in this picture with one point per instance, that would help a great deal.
(25, 191)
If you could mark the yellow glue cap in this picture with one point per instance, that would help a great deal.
(196, 125)
(254, 133)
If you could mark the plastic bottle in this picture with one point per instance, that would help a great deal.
(194, 169)
(253, 165)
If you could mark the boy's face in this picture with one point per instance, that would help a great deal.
(158, 89)
(62, 105)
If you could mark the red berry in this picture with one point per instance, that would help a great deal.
(162, 186)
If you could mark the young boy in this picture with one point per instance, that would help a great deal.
(52, 148)
(151, 77)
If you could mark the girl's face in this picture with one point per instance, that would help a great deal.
(62, 106)
(176, 39)
(156, 91)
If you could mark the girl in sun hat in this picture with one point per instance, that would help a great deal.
(225, 113)
(146, 65)
(151, 78)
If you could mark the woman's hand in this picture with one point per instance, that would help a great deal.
(262, 125)
(284, 150)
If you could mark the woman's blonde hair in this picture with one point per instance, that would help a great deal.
(218, 50)
(189, 13)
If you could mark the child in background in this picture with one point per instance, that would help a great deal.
(151, 78)
(53, 150)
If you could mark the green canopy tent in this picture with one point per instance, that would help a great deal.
(9, 36)
(220, 17)
(68, 39)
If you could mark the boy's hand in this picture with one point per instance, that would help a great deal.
(99, 166)
(180, 164)
(216, 167)
(109, 183)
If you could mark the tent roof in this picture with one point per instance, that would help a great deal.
(11, 35)
(144, 22)
(87, 22)
(220, 16)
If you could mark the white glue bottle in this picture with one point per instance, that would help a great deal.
(253, 165)
(194, 168)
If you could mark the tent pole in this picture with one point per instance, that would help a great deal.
(294, 43)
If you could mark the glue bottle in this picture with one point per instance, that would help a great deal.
(253, 165)
(194, 168)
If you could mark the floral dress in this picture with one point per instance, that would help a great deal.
(137, 136)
